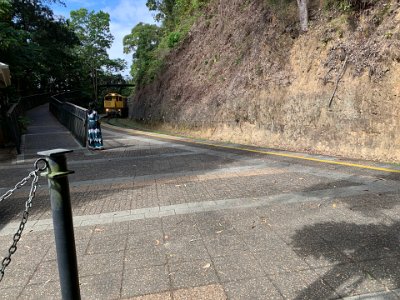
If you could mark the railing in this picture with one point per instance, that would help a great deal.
(13, 126)
(71, 116)
(17, 111)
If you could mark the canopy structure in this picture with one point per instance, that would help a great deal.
(5, 78)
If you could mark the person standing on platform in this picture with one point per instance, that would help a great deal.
(94, 137)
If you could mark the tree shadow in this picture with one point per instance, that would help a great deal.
(358, 258)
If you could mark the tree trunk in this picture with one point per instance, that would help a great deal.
(303, 14)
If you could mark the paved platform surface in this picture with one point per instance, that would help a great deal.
(160, 218)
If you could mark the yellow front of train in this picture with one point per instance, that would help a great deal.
(114, 104)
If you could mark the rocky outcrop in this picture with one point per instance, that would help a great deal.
(245, 75)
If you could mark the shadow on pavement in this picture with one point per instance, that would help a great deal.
(361, 257)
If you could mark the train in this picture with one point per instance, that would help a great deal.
(115, 105)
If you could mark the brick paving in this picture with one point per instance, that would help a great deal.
(160, 218)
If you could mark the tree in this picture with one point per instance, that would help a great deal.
(93, 31)
(28, 33)
(142, 41)
(165, 11)
(5, 6)
(303, 14)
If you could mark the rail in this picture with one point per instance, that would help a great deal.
(71, 116)
(17, 111)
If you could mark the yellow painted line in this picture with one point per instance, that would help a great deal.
(347, 164)
(308, 158)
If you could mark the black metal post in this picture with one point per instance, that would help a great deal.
(62, 220)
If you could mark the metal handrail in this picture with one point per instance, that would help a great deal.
(71, 116)
(16, 111)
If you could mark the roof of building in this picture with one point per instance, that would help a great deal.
(5, 77)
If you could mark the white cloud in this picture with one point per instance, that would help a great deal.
(83, 3)
(130, 12)
(124, 16)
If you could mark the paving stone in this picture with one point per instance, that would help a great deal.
(300, 236)
(280, 261)
(182, 230)
(208, 226)
(321, 255)
(80, 248)
(259, 288)
(373, 251)
(145, 257)
(193, 273)
(144, 281)
(160, 296)
(185, 248)
(106, 244)
(384, 270)
(213, 291)
(48, 290)
(224, 243)
(11, 293)
(101, 287)
(242, 265)
(95, 264)
(263, 241)
(252, 225)
(17, 276)
(46, 271)
(303, 285)
(147, 239)
(386, 295)
(349, 280)
(120, 228)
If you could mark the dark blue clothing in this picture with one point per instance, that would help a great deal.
(95, 139)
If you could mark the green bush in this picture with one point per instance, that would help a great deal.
(173, 39)
(349, 5)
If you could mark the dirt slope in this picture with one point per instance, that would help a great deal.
(246, 75)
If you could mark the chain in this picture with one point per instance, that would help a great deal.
(28, 204)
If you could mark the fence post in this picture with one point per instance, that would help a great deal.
(62, 220)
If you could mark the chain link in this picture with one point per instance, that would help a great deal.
(28, 204)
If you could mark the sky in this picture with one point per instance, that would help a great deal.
(124, 14)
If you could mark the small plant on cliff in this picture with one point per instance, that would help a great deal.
(349, 5)
(173, 39)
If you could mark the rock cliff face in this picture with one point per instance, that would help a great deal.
(244, 74)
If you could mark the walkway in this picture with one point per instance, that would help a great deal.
(158, 217)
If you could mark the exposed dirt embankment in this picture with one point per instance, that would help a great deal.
(245, 75)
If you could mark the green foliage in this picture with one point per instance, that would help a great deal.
(142, 41)
(172, 12)
(5, 6)
(388, 35)
(342, 5)
(28, 35)
(349, 5)
(150, 44)
(48, 54)
(93, 31)
(174, 38)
